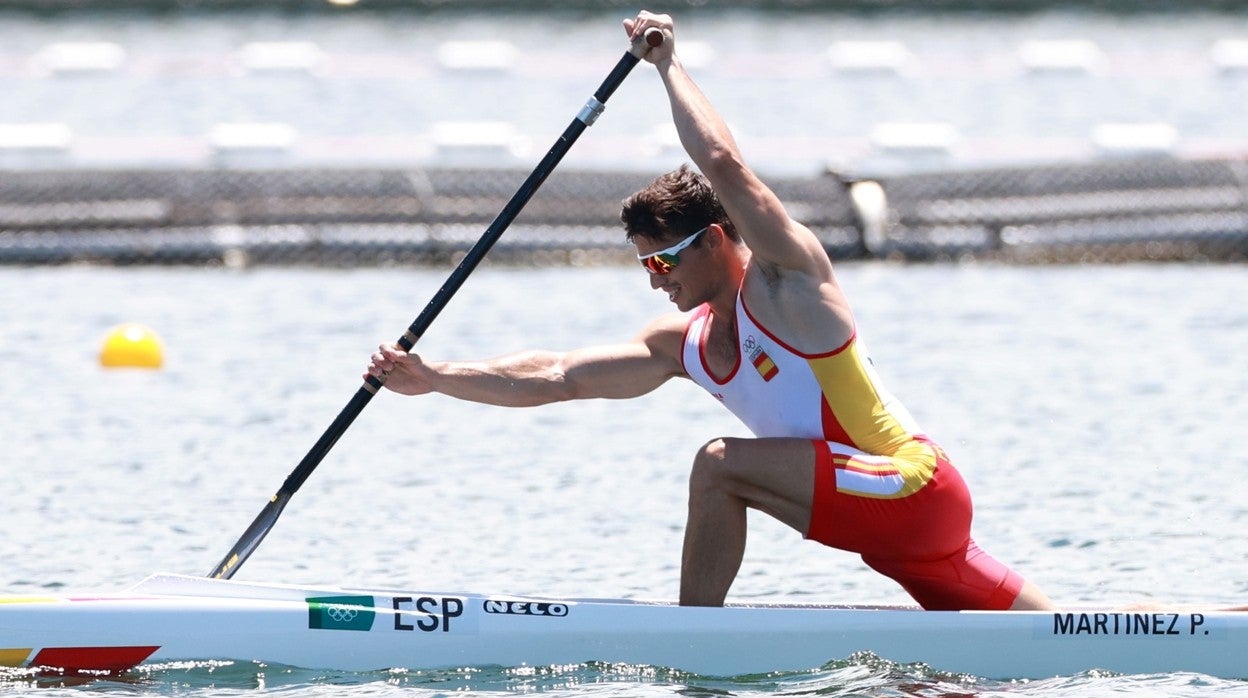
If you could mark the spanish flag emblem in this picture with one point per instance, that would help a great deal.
(765, 366)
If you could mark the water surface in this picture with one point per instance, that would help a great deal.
(1097, 413)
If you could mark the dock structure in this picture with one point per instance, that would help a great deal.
(1107, 210)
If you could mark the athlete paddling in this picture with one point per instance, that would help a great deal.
(765, 328)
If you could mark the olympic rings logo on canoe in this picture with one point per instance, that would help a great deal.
(342, 614)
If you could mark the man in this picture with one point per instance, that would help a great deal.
(765, 328)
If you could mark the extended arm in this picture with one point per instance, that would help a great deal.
(773, 237)
(531, 378)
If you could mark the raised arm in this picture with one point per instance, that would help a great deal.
(529, 378)
(772, 236)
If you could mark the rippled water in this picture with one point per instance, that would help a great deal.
(863, 675)
(1097, 413)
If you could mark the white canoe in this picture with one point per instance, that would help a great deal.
(170, 617)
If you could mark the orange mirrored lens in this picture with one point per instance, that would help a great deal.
(660, 263)
(664, 261)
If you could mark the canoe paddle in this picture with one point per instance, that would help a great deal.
(263, 523)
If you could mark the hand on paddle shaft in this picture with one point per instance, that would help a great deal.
(267, 518)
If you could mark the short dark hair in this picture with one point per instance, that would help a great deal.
(673, 206)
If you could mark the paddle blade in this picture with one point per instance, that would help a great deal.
(251, 538)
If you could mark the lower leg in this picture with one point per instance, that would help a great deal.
(714, 546)
(728, 477)
(1030, 598)
(714, 532)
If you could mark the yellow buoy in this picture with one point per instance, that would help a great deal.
(132, 345)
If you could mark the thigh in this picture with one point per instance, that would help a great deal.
(773, 475)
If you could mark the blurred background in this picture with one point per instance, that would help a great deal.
(363, 132)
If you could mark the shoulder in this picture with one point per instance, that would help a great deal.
(789, 249)
(666, 327)
(665, 335)
(807, 311)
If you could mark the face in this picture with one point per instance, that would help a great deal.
(673, 267)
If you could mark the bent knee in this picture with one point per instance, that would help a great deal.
(720, 462)
(710, 465)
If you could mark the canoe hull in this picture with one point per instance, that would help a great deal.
(167, 618)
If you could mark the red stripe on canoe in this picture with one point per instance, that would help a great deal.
(92, 658)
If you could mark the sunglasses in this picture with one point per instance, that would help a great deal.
(664, 261)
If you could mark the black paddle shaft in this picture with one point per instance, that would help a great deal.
(265, 521)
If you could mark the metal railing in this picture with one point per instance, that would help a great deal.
(1117, 210)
